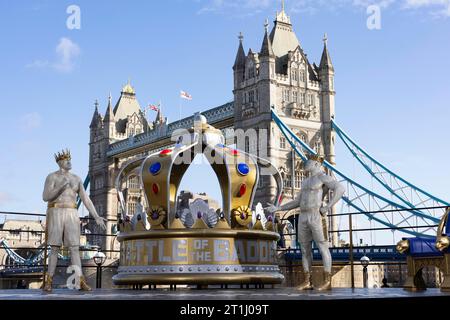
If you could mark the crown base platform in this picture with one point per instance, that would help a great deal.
(265, 278)
(198, 257)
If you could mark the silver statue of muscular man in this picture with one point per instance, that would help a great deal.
(63, 222)
(312, 219)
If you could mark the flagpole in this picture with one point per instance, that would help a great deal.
(145, 112)
(179, 105)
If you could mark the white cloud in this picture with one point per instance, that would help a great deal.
(240, 7)
(38, 64)
(313, 6)
(365, 3)
(66, 53)
(250, 7)
(439, 7)
(30, 121)
(422, 3)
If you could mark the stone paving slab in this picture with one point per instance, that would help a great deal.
(215, 294)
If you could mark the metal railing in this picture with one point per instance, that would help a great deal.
(15, 271)
(291, 254)
(350, 250)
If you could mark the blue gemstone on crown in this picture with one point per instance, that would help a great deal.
(243, 169)
(155, 168)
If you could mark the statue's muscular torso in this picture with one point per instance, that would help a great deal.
(70, 192)
(311, 194)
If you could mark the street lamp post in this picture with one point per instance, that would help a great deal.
(365, 262)
(99, 259)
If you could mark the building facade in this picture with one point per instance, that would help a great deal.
(24, 237)
(279, 76)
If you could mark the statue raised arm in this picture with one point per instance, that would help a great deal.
(312, 222)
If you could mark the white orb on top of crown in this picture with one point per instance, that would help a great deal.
(213, 138)
(200, 119)
(210, 135)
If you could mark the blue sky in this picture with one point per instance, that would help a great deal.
(393, 84)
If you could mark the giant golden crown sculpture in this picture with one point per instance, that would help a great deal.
(231, 251)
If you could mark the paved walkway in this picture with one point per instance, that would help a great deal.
(216, 294)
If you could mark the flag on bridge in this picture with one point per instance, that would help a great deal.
(185, 95)
(153, 107)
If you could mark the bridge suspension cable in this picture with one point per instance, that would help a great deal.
(86, 182)
(406, 192)
(37, 257)
(361, 198)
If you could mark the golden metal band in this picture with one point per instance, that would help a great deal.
(62, 205)
(203, 279)
(200, 233)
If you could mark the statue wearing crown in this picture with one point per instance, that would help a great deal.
(312, 223)
(63, 222)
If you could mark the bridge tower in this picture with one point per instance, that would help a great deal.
(122, 122)
(102, 133)
(281, 76)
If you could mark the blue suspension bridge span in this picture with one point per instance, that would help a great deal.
(402, 206)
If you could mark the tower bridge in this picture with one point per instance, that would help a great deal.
(277, 89)
(278, 74)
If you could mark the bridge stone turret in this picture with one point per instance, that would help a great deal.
(281, 76)
(120, 123)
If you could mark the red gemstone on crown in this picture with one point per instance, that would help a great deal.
(234, 152)
(155, 188)
(165, 152)
(242, 189)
